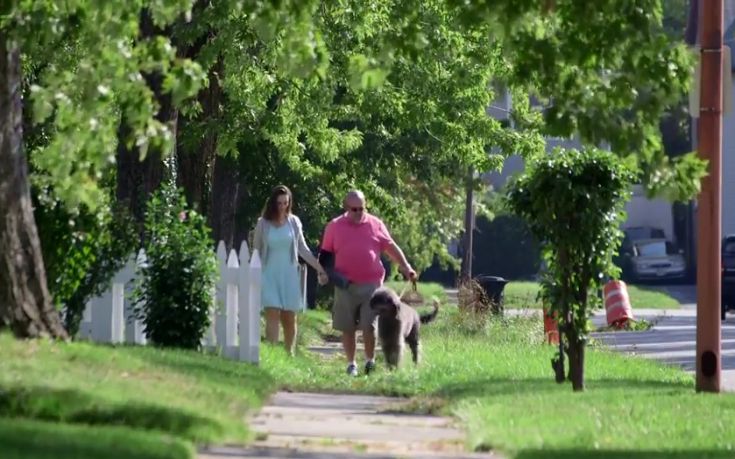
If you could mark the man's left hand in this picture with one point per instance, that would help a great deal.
(409, 272)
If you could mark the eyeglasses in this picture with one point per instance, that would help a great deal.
(357, 209)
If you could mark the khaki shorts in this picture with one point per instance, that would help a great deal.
(351, 309)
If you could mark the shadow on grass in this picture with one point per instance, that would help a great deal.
(29, 439)
(72, 406)
(496, 386)
(607, 454)
(212, 369)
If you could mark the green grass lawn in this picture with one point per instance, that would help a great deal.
(522, 295)
(142, 398)
(493, 375)
(496, 377)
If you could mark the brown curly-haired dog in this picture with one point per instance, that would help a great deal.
(398, 323)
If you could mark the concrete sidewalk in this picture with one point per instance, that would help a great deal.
(333, 426)
(342, 426)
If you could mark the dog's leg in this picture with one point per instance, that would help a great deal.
(392, 352)
(391, 349)
(390, 340)
(413, 342)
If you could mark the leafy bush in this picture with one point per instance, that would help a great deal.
(174, 295)
(82, 251)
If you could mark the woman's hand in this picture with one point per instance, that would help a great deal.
(323, 277)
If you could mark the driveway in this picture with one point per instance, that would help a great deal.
(672, 340)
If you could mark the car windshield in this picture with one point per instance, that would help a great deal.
(655, 249)
(644, 233)
(729, 246)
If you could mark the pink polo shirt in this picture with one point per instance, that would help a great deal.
(357, 247)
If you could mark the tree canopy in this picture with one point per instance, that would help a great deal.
(388, 96)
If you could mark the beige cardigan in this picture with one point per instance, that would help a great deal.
(299, 243)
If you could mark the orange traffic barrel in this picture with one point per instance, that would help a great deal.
(551, 328)
(617, 303)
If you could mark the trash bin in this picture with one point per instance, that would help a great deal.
(493, 287)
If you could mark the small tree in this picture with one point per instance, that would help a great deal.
(174, 296)
(573, 202)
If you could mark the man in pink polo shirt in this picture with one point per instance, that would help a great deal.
(356, 239)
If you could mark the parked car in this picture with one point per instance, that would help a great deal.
(652, 259)
(636, 233)
(728, 273)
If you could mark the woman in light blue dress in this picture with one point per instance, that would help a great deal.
(279, 238)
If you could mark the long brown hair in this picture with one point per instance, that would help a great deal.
(270, 210)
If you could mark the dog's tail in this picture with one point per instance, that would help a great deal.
(430, 316)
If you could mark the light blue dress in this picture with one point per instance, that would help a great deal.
(281, 287)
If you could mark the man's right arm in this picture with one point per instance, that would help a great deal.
(327, 258)
(326, 254)
(326, 248)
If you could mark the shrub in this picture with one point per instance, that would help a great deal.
(174, 295)
(82, 251)
(573, 202)
(471, 297)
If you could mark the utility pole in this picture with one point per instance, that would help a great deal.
(709, 204)
(469, 228)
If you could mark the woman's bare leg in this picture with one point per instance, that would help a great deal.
(288, 320)
(271, 324)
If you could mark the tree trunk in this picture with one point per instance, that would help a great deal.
(136, 179)
(226, 197)
(195, 157)
(25, 302)
(469, 229)
(576, 363)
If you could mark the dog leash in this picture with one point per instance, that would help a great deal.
(413, 297)
(409, 283)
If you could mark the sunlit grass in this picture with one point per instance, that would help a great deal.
(188, 396)
(523, 295)
(495, 375)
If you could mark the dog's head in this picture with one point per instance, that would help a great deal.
(385, 302)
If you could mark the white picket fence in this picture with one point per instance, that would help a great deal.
(235, 322)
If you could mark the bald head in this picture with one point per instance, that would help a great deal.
(354, 195)
(354, 204)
